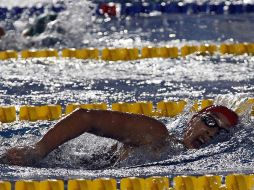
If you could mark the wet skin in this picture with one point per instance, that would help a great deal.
(130, 129)
(198, 133)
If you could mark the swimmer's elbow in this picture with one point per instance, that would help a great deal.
(79, 111)
(161, 133)
(81, 115)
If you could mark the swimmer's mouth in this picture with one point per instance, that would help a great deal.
(198, 143)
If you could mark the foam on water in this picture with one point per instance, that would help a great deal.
(227, 79)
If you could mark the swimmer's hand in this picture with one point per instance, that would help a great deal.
(21, 156)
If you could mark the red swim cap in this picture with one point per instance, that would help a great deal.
(231, 116)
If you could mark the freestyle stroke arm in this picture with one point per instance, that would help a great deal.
(130, 129)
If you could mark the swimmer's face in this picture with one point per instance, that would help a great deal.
(203, 127)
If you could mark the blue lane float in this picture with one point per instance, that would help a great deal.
(130, 9)
(216, 8)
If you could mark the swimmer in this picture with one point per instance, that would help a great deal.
(40, 24)
(130, 129)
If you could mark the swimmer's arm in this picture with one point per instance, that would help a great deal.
(130, 129)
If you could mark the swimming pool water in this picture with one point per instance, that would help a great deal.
(64, 81)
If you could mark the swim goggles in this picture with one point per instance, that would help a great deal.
(211, 122)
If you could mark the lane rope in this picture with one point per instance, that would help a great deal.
(171, 109)
(127, 54)
(232, 181)
(137, 8)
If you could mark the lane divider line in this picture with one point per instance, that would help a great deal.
(128, 54)
(171, 109)
(131, 9)
(137, 8)
(203, 182)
